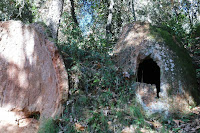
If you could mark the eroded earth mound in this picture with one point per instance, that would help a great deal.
(33, 80)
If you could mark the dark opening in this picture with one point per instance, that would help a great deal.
(149, 72)
(34, 115)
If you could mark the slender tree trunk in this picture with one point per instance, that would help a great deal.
(73, 12)
(109, 20)
(198, 10)
(192, 11)
(195, 10)
(69, 9)
(133, 9)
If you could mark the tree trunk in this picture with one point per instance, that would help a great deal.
(50, 13)
(54, 16)
(73, 12)
(198, 10)
(109, 20)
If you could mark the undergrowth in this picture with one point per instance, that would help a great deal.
(101, 100)
(48, 126)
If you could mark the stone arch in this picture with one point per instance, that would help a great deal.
(148, 72)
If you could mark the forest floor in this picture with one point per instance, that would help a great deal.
(116, 111)
(105, 111)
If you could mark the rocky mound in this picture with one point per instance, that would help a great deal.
(154, 57)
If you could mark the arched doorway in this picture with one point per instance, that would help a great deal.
(149, 72)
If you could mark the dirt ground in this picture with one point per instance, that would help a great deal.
(10, 123)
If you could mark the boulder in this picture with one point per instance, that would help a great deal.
(162, 68)
(33, 79)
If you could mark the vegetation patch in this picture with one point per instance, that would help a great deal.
(48, 126)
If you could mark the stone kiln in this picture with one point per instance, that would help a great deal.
(164, 74)
(33, 80)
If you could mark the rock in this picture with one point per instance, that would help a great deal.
(165, 76)
(33, 79)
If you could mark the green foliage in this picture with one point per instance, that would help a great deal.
(89, 64)
(98, 122)
(136, 112)
(48, 126)
(195, 44)
(96, 84)
(67, 126)
(198, 72)
(178, 23)
(96, 109)
(164, 130)
(17, 10)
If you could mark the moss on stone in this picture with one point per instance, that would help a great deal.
(181, 58)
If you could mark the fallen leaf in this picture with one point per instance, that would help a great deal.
(79, 127)
(198, 127)
(126, 75)
(109, 122)
(156, 125)
(178, 122)
(196, 112)
(98, 65)
(144, 130)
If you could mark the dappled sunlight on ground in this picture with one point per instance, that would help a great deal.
(10, 122)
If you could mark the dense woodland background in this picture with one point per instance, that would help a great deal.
(85, 32)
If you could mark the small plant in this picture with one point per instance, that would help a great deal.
(68, 128)
(198, 73)
(98, 122)
(48, 126)
(176, 129)
(164, 130)
(137, 113)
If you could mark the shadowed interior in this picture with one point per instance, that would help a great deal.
(35, 115)
(149, 72)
